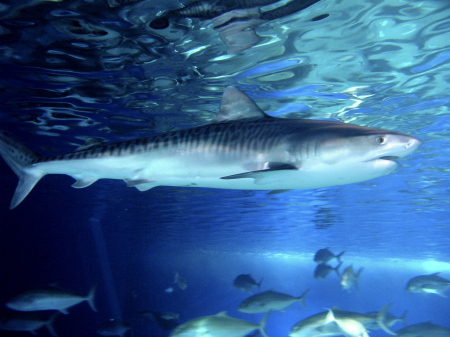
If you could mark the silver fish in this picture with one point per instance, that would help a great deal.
(220, 325)
(349, 278)
(242, 149)
(269, 300)
(428, 284)
(424, 329)
(319, 325)
(49, 298)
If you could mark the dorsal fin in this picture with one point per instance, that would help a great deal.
(237, 105)
(222, 313)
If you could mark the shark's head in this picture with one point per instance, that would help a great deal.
(347, 153)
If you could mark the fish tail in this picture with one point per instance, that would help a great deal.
(358, 274)
(403, 318)
(381, 317)
(90, 298)
(49, 324)
(19, 158)
(339, 256)
(302, 298)
(262, 325)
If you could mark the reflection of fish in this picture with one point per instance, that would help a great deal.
(323, 270)
(424, 329)
(428, 284)
(349, 278)
(113, 327)
(324, 255)
(220, 325)
(164, 322)
(243, 149)
(245, 282)
(269, 300)
(348, 326)
(26, 321)
(49, 298)
(181, 281)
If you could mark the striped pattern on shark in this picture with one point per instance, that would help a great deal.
(242, 149)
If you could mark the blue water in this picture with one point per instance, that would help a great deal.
(75, 69)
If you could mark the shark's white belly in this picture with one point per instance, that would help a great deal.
(147, 170)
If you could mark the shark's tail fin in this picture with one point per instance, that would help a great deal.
(19, 158)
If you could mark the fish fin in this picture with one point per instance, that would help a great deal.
(222, 313)
(381, 316)
(339, 256)
(266, 176)
(90, 143)
(301, 299)
(329, 317)
(357, 277)
(237, 105)
(136, 182)
(403, 318)
(262, 325)
(83, 182)
(90, 298)
(49, 324)
(19, 158)
(64, 311)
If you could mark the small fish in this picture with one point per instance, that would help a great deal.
(268, 301)
(428, 284)
(113, 327)
(324, 255)
(164, 323)
(49, 298)
(323, 270)
(220, 325)
(169, 290)
(349, 278)
(245, 282)
(424, 330)
(348, 326)
(181, 281)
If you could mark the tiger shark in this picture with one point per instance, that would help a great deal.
(243, 148)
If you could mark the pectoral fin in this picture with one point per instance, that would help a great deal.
(273, 173)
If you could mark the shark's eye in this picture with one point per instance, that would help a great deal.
(381, 140)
